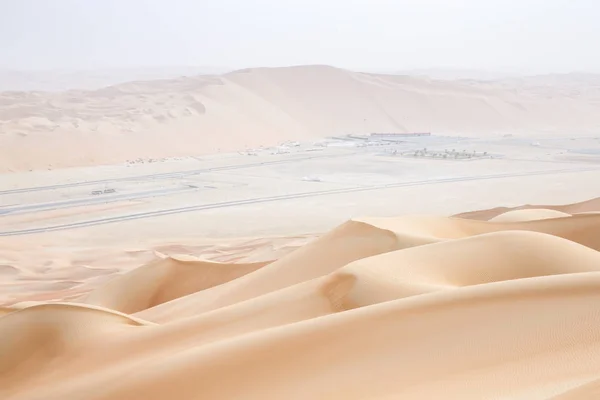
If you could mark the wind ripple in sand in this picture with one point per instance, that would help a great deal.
(504, 307)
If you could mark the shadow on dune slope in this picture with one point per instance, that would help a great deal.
(411, 307)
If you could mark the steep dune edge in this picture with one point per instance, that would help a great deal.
(469, 360)
(358, 239)
(35, 336)
(411, 307)
(162, 281)
(346, 243)
(444, 353)
(264, 106)
(585, 391)
(447, 265)
(529, 215)
(440, 267)
(398, 274)
(476, 260)
(587, 206)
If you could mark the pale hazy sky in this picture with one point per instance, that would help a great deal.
(528, 35)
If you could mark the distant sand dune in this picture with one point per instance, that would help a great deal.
(164, 280)
(265, 106)
(529, 215)
(587, 206)
(412, 307)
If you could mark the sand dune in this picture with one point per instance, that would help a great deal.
(65, 79)
(588, 206)
(164, 280)
(412, 307)
(529, 215)
(356, 240)
(264, 106)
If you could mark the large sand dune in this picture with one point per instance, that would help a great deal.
(496, 304)
(264, 106)
(96, 78)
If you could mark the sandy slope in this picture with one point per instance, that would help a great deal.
(65, 79)
(413, 307)
(264, 106)
(529, 211)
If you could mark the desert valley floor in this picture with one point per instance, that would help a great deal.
(269, 273)
(298, 187)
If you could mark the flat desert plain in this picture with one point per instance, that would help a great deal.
(326, 264)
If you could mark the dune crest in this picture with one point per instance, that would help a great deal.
(529, 215)
(588, 206)
(500, 303)
(162, 281)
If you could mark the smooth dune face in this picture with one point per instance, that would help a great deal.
(529, 215)
(164, 280)
(503, 305)
(588, 206)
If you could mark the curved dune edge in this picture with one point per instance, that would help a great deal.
(409, 307)
(585, 391)
(37, 306)
(358, 239)
(6, 310)
(382, 335)
(592, 205)
(348, 242)
(164, 280)
(529, 215)
(35, 335)
(467, 360)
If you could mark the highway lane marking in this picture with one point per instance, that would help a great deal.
(167, 175)
(233, 203)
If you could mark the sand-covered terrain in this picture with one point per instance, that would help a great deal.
(206, 114)
(496, 304)
(247, 236)
(56, 80)
(356, 269)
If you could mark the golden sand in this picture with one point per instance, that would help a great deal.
(492, 304)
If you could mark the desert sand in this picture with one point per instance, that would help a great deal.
(495, 304)
(158, 240)
(63, 79)
(206, 114)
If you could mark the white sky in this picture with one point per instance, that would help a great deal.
(525, 35)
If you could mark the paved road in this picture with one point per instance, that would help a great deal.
(234, 203)
(88, 201)
(168, 175)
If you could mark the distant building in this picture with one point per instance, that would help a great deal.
(392, 135)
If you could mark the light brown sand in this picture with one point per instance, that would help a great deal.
(223, 303)
(496, 304)
(264, 106)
